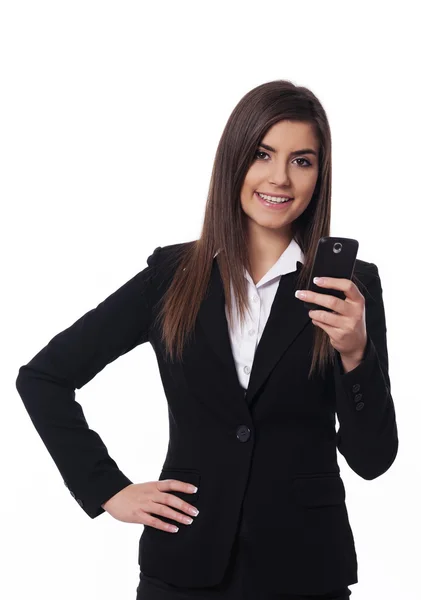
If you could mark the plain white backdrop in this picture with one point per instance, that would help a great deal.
(110, 117)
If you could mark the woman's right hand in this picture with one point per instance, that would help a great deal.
(137, 502)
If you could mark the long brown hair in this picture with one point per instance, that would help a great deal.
(225, 228)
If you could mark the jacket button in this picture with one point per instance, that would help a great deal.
(356, 387)
(358, 397)
(72, 494)
(360, 406)
(243, 433)
(79, 501)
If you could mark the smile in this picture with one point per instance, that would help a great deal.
(274, 199)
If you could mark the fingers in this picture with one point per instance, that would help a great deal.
(332, 302)
(165, 511)
(160, 503)
(151, 521)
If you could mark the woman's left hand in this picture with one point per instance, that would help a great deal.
(346, 325)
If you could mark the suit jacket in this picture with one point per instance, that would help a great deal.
(264, 460)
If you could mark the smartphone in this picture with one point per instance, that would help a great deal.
(335, 257)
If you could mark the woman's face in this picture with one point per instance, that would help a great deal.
(281, 169)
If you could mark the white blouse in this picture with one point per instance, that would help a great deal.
(261, 295)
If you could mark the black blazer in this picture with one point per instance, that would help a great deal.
(264, 460)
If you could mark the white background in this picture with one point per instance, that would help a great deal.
(110, 116)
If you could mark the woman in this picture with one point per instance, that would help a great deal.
(252, 394)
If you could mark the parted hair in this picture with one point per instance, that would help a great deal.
(225, 227)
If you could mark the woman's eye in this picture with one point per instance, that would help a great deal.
(301, 165)
(260, 152)
(307, 161)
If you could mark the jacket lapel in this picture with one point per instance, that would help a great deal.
(287, 318)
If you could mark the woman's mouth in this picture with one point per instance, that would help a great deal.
(272, 202)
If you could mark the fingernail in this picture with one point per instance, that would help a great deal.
(318, 279)
(300, 294)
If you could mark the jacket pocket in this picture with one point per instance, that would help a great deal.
(319, 490)
(181, 474)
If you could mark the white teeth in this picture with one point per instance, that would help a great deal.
(273, 198)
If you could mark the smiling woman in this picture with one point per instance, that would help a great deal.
(285, 154)
(283, 172)
(253, 388)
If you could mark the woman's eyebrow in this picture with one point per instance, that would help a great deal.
(304, 151)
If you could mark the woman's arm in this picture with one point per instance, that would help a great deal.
(367, 436)
(47, 385)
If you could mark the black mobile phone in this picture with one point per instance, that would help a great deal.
(335, 257)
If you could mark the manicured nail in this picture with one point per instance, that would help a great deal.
(318, 280)
(300, 294)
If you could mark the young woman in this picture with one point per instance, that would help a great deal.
(253, 380)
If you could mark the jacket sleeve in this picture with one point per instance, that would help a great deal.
(47, 385)
(367, 436)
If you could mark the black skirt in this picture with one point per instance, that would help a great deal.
(238, 584)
